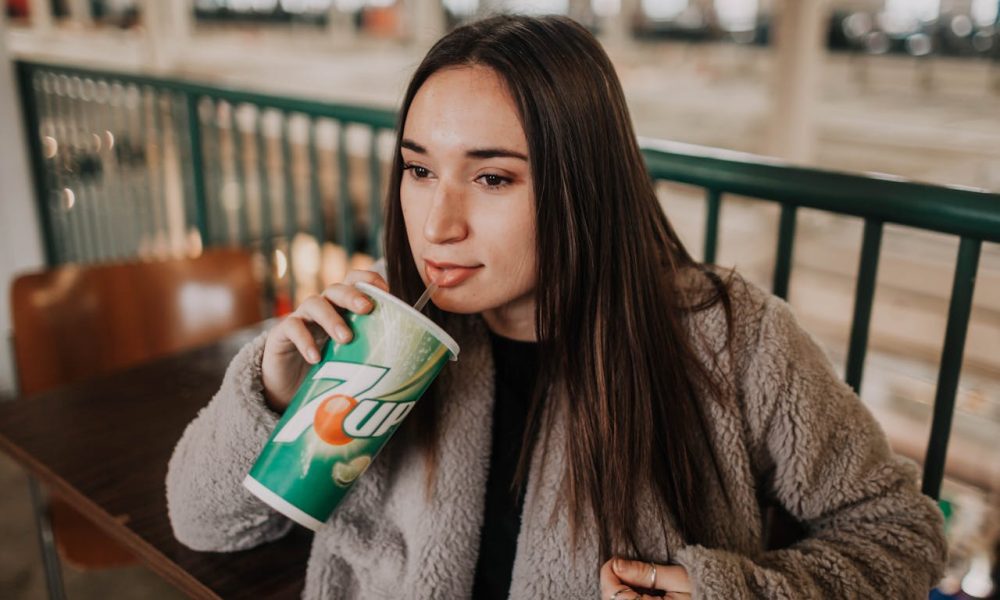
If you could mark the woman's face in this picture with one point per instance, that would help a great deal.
(467, 195)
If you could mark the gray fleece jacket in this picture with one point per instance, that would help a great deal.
(791, 431)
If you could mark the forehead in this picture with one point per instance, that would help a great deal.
(464, 107)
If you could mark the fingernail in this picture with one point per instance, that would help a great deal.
(616, 564)
(313, 356)
(361, 304)
(343, 334)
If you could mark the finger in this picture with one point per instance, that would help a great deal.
(609, 581)
(669, 578)
(610, 584)
(319, 310)
(371, 277)
(296, 331)
(678, 596)
(349, 297)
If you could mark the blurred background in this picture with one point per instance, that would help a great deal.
(151, 129)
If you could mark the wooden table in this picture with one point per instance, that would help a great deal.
(103, 445)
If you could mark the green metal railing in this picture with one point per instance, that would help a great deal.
(209, 131)
(128, 165)
(973, 215)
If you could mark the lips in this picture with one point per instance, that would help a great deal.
(448, 275)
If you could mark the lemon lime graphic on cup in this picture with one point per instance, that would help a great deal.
(350, 404)
(344, 473)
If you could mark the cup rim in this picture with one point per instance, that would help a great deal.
(432, 327)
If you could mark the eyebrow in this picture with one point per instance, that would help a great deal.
(479, 153)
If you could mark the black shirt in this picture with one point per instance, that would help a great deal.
(515, 370)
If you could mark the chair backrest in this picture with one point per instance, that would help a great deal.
(79, 321)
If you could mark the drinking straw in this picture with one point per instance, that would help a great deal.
(419, 305)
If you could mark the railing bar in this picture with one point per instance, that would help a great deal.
(37, 103)
(145, 197)
(130, 141)
(115, 180)
(109, 180)
(379, 117)
(97, 199)
(124, 145)
(223, 224)
(954, 210)
(375, 197)
(863, 298)
(86, 199)
(102, 210)
(160, 198)
(186, 155)
(100, 122)
(786, 239)
(291, 204)
(70, 137)
(82, 218)
(266, 234)
(315, 199)
(39, 123)
(112, 175)
(177, 206)
(196, 218)
(167, 132)
(217, 222)
(713, 198)
(70, 199)
(162, 206)
(239, 160)
(220, 210)
(77, 214)
(344, 199)
(959, 311)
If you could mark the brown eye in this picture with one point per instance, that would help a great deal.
(417, 171)
(493, 181)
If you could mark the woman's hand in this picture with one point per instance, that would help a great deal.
(291, 347)
(627, 580)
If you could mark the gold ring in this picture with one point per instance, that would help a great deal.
(652, 580)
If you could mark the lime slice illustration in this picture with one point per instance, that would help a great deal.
(344, 473)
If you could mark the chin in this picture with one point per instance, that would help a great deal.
(453, 301)
(456, 306)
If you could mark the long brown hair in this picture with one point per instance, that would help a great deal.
(616, 357)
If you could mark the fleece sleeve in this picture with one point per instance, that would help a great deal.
(208, 506)
(871, 533)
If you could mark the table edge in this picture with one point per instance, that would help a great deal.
(150, 556)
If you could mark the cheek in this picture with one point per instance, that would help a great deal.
(513, 236)
(413, 222)
(526, 272)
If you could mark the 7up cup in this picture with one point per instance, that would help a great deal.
(347, 409)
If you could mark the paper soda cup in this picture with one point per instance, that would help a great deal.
(348, 407)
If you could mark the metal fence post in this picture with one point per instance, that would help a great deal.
(26, 88)
(197, 168)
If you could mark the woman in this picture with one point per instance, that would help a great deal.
(614, 400)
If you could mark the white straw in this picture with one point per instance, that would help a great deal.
(425, 296)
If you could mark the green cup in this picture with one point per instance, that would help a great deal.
(347, 409)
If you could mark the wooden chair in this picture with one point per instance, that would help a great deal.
(77, 321)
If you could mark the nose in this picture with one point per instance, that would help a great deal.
(446, 220)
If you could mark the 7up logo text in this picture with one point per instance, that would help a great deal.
(344, 412)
